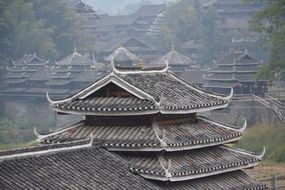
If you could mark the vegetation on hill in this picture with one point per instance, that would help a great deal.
(269, 136)
(48, 28)
(185, 21)
(15, 134)
(270, 22)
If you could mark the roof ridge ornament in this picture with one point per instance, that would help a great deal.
(91, 139)
(115, 70)
(40, 136)
(262, 154)
(243, 128)
(156, 131)
(166, 169)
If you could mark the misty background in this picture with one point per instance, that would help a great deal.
(114, 7)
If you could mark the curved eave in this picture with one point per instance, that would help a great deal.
(155, 147)
(185, 176)
(40, 137)
(241, 129)
(257, 156)
(142, 111)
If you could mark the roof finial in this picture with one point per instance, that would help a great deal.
(172, 46)
(141, 64)
(166, 169)
(74, 49)
(113, 64)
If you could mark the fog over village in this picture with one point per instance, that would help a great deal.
(142, 94)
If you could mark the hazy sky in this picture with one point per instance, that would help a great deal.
(114, 6)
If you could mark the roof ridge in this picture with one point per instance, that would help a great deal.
(47, 149)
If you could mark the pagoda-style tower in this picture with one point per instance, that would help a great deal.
(149, 117)
(237, 70)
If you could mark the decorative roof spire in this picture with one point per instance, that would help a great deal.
(166, 169)
(172, 46)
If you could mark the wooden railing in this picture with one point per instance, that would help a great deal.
(268, 101)
(275, 182)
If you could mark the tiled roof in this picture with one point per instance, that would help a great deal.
(30, 59)
(145, 135)
(168, 93)
(233, 68)
(237, 180)
(108, 105)
(193, 76)
(85, 168)
(82, 166)
(190, 164)
(122, 55)
(238, 57)
(171, 91)
(175, 58)
(76, 59)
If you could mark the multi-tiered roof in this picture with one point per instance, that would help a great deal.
(236, 70)
(22, 73)
(147, 119)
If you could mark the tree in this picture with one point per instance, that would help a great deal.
(209, 35)
(271, 23)
(58, 17)
(181, 24)
(21, 32)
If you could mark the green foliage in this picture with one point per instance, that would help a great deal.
(23, 32)
(209, 35)
(185, 21)
(181, 24)
(272, 137)
(18, 132)
(61, 20)
(270, 22)
(48, 28)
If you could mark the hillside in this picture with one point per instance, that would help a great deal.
(122, 6)
(268, 136)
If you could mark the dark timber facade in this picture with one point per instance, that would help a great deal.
(141, 127)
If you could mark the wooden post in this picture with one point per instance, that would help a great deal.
(273, 182)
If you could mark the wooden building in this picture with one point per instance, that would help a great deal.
(236, 70)
(19, 77)
(136, 25)
(178, 62)
(139, 121)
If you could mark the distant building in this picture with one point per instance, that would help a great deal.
(183, 66)
(19, 77)
(236, 70)
(89, 22)
(67, 73)
(133, 45)
(135, 25)
(178, 62)
(234, 17)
